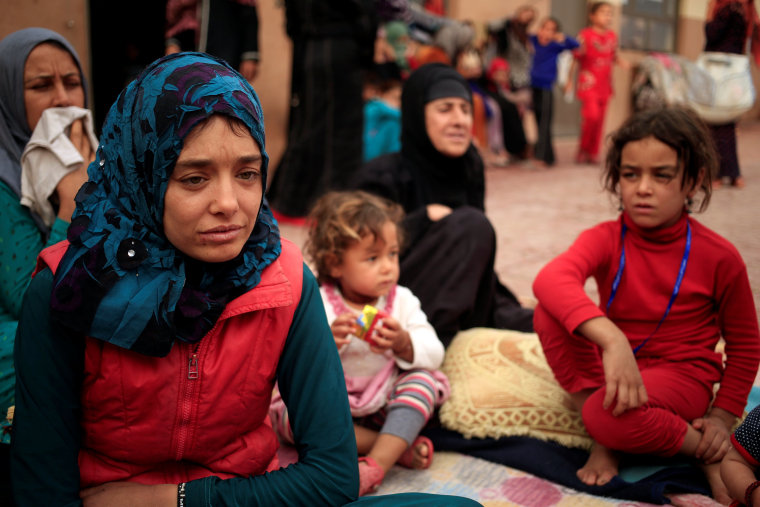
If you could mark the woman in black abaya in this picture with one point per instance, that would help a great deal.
(438, 177)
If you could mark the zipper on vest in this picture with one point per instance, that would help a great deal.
(192, 365)
(188, 395)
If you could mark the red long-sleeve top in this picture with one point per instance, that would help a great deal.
(714, 300)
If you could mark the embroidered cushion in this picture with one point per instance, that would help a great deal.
(502, 386)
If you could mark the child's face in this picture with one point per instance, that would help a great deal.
(547, 32)
(650, 183)
(602, 18)
(392, 97)
(501, 77)
(370, 267)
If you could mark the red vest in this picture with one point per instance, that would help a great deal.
(203, 409)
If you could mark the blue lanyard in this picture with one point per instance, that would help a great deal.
(681, 271)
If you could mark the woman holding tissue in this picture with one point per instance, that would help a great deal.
(40, 79)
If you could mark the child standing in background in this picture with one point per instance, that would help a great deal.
(382, 111)
(391, 375)
(548, 43)
(597, 53)
(641, 363)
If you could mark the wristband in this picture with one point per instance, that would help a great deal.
(748, 493)
(181, 494)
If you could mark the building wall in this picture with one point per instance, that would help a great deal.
(69, 18)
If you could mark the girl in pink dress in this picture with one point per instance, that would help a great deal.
(597, 53)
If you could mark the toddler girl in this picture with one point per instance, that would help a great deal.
(391, 375)
(597, 52)
(642, 363)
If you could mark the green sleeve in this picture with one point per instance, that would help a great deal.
(49, 369)
(20, 242)
(311, 381)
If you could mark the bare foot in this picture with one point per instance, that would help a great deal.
(601, 467)
(419, 455)
(719, 490)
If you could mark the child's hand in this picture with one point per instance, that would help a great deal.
(623, 63)
(568, 91)
(621, 373)
(396, 338)
(715, 441)
(341, 327)
(623, 378)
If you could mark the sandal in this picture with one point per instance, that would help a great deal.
(370, 476)
(407, 459)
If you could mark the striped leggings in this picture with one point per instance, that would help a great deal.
(411, 403)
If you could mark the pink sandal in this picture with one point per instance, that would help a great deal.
(370, 476)
(407, 459)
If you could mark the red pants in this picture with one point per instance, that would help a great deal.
(593, 111)
(677, 392)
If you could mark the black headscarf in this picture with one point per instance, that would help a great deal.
(453, 181)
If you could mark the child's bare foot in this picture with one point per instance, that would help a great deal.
(601, 467)
(719, 490)
(419, 455)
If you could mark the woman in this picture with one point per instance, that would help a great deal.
(193, 252)
(333, 43)
(152, 339)
(728, 26)
(39, 69)
(438, 178)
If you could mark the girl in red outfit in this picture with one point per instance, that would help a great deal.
(641, 364)
(597, 53)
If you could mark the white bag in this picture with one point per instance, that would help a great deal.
(731, 93)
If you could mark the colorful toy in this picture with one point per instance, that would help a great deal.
(366, 322)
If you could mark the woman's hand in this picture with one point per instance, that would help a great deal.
(249, 69)
(70, 184)
(716, 436)
(118, 494)
(342, 326)
(436, 212)
(392, 336)
(171, 49)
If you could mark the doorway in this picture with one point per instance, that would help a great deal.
(572, 16)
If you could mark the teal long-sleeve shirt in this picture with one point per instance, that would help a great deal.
(46, 438)
(20, 242)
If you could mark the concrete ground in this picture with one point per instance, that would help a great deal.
(537, 213)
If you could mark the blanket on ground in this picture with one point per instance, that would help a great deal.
(558, 464)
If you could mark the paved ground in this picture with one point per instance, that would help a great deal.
(538, 213)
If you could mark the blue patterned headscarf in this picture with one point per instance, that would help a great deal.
(121, 280)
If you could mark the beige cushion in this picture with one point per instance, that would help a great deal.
(502, 386)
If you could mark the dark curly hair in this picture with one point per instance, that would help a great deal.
(595, 6)
(339, 220)
(681, 129)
